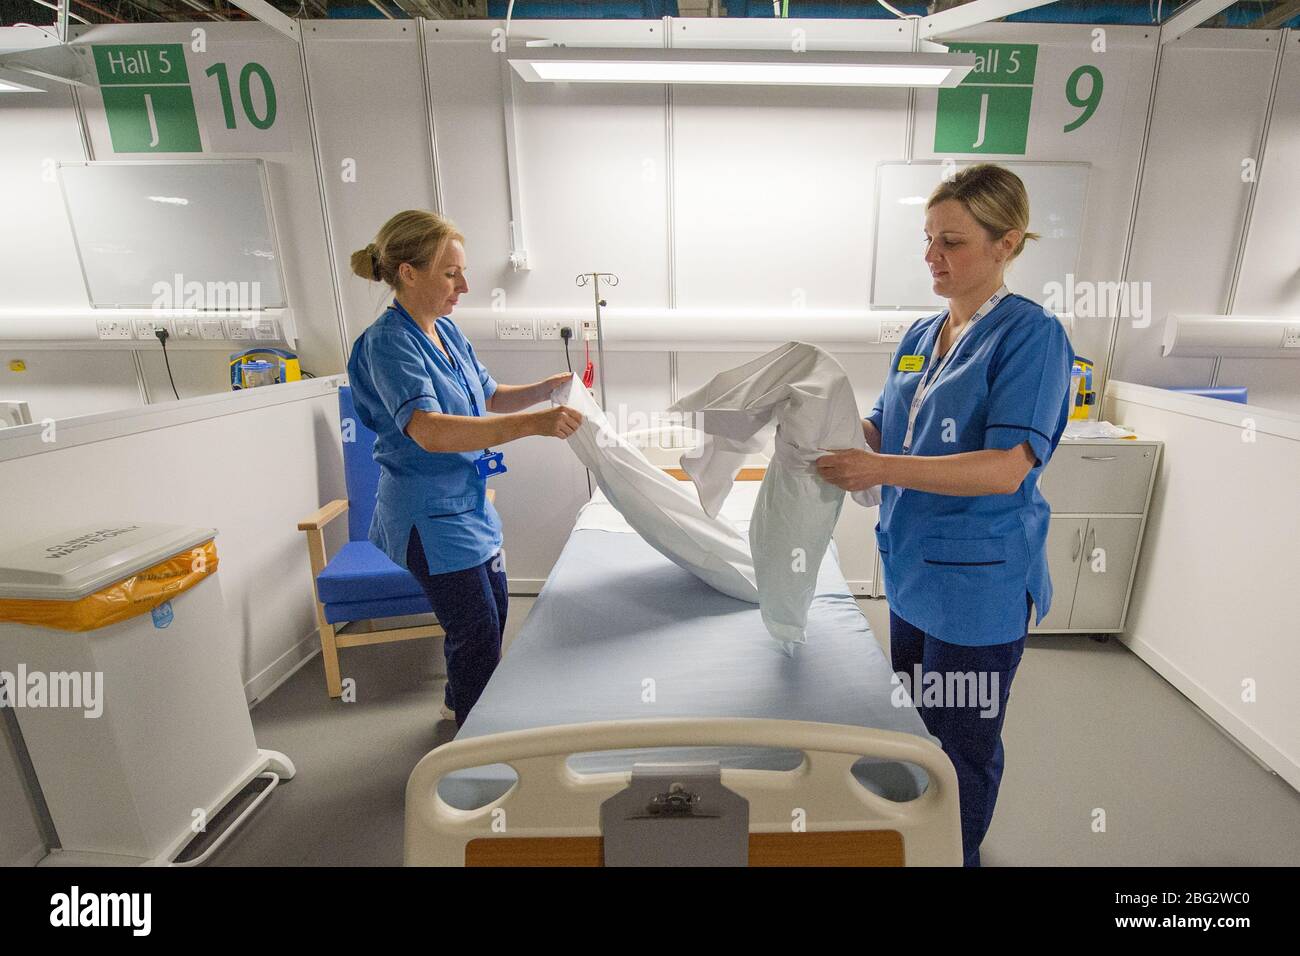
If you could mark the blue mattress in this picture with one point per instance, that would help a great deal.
(614, 612)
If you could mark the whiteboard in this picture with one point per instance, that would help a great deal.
(900, 277)
(148, 233)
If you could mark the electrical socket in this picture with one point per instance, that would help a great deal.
(266, 330)
(144, 328)
(239, 330)
(212, 329)
(550, 329)
(110, 329)
(589, 330)
(516, 329)
(187, 329)
(1291, 337)
(891, 330)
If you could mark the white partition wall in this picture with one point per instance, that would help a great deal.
(1222, 528)
(249, 464)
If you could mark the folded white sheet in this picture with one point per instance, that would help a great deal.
(808, 395)
(664, 511)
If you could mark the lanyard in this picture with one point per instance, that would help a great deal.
(489, 462)
(931, 378)
(455, 365)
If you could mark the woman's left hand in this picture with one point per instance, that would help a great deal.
(852, 469)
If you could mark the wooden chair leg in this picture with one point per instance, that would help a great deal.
(328, 646)
(329, 653)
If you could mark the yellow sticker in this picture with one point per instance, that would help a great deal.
(910, 363)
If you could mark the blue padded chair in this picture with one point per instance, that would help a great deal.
(359, 584)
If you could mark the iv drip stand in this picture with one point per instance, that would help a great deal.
(595, 279)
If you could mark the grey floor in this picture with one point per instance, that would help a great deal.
(1091, 734)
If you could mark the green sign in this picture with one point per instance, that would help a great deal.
(989, 111)
(147, 98)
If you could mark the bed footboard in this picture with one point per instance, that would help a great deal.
(815, 814)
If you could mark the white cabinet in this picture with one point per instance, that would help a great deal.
(1099, 492)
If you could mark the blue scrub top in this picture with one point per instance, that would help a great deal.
(395, 369)
(958, 568)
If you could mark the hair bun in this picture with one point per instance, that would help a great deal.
(374, 260)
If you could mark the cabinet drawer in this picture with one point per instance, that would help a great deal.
(1098, 478)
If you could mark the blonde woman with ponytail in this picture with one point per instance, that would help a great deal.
(418, 385)
(974, 405)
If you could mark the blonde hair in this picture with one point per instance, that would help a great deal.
(416, 236)
(994, 196)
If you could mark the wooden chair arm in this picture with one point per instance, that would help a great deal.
(317, 521)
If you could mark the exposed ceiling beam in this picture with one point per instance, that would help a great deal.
(1190, 16)
(973, 14)
(272, 17)
(1277, 16)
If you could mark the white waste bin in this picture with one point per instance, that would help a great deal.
(119, 666)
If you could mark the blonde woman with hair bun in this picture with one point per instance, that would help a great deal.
(975, 402)
(417, 384)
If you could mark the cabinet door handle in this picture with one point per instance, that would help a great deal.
(1100, 457)
(1078, 544)
(1093, 536)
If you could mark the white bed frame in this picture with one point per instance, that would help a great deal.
(815, 815)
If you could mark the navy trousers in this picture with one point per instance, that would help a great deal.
(471, 606)
(971, 735)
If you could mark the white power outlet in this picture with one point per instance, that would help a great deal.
(549, 329)
(266, 330)
(144, 328)
(110, 329)
(1291, 337)
(212, 329)
(516, 329)
(892, 330)
(589, 330)
(187, 330)
(239, 330)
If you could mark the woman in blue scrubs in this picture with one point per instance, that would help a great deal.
(418, 385)
(974, 405)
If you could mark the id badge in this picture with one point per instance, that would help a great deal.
(489, 464)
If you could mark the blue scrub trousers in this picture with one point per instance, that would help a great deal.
(471, 606)
(972, 742)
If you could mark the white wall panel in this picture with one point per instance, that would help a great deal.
(774, 193)
(1270, 271)
(368, 101)
(61, 383)
(1209, 113)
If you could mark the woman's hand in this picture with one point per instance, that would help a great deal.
(852, 469)
(558, 422)
(551, 383)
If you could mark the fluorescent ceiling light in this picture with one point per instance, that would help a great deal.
(10, 85)
(761, 67)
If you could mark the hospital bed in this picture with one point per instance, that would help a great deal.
(625, 661)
